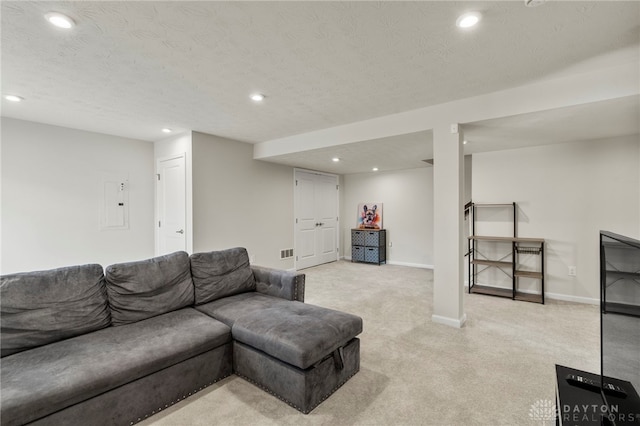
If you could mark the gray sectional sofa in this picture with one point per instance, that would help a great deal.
(83, 346)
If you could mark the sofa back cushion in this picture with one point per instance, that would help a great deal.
(218, 274)
(146, 288)
(41, 307)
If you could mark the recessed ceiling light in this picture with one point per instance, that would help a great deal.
(468, 20)
(167, 130)
(335, 159)
(60, 20)
(258, 97)
(14, 98)
(375, 169)
(464, 142)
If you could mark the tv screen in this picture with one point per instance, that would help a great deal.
(620, 308)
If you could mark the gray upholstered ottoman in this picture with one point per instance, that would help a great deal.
(301, 353)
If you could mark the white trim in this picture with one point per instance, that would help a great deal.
(394, 262)
(451, 322)
(315, 172)
(554, 296)
(295, 223)
(569, 298)
(412, 265)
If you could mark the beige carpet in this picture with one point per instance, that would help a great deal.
(416, 372)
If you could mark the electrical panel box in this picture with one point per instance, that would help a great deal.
(114, 209)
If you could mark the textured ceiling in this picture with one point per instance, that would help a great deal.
(393, 153)
(598, 120)
(131, 68)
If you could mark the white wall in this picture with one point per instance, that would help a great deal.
(52, 192)
(239, 201)
(407, 197)
(566, 194)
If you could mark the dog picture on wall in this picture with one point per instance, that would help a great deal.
(369, 216)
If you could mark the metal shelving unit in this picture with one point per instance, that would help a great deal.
(509, 264)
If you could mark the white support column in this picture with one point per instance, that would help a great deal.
(448, 194)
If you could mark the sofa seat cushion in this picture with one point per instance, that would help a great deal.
(43, 380)
(297, 333)
(229, 309)
(217, 274)
(146, 288)
(37, 308)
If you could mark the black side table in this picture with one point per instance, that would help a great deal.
(577, 406)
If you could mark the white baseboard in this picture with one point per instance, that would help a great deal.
(554, 296)
(570, 298)
(393, 262)
(547, 295)
(412, 265)
(451, 322)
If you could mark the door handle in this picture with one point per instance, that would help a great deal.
(319, 224)
(180, 231)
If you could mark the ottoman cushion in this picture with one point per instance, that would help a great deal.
(297, 333)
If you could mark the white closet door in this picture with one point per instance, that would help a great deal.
(316, 205)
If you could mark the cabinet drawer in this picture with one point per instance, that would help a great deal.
(357, 253)
(357, 238)
(372, 254)
(374, 238)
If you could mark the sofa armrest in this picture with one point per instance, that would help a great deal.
(279, 283)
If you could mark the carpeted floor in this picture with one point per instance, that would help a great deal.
(416, 372)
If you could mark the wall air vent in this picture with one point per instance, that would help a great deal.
(286, 253)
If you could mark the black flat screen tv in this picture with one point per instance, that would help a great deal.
(619, 312)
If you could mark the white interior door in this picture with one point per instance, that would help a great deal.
(316, 204)
(171, 196)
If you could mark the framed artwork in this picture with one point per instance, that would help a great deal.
(369, 216)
